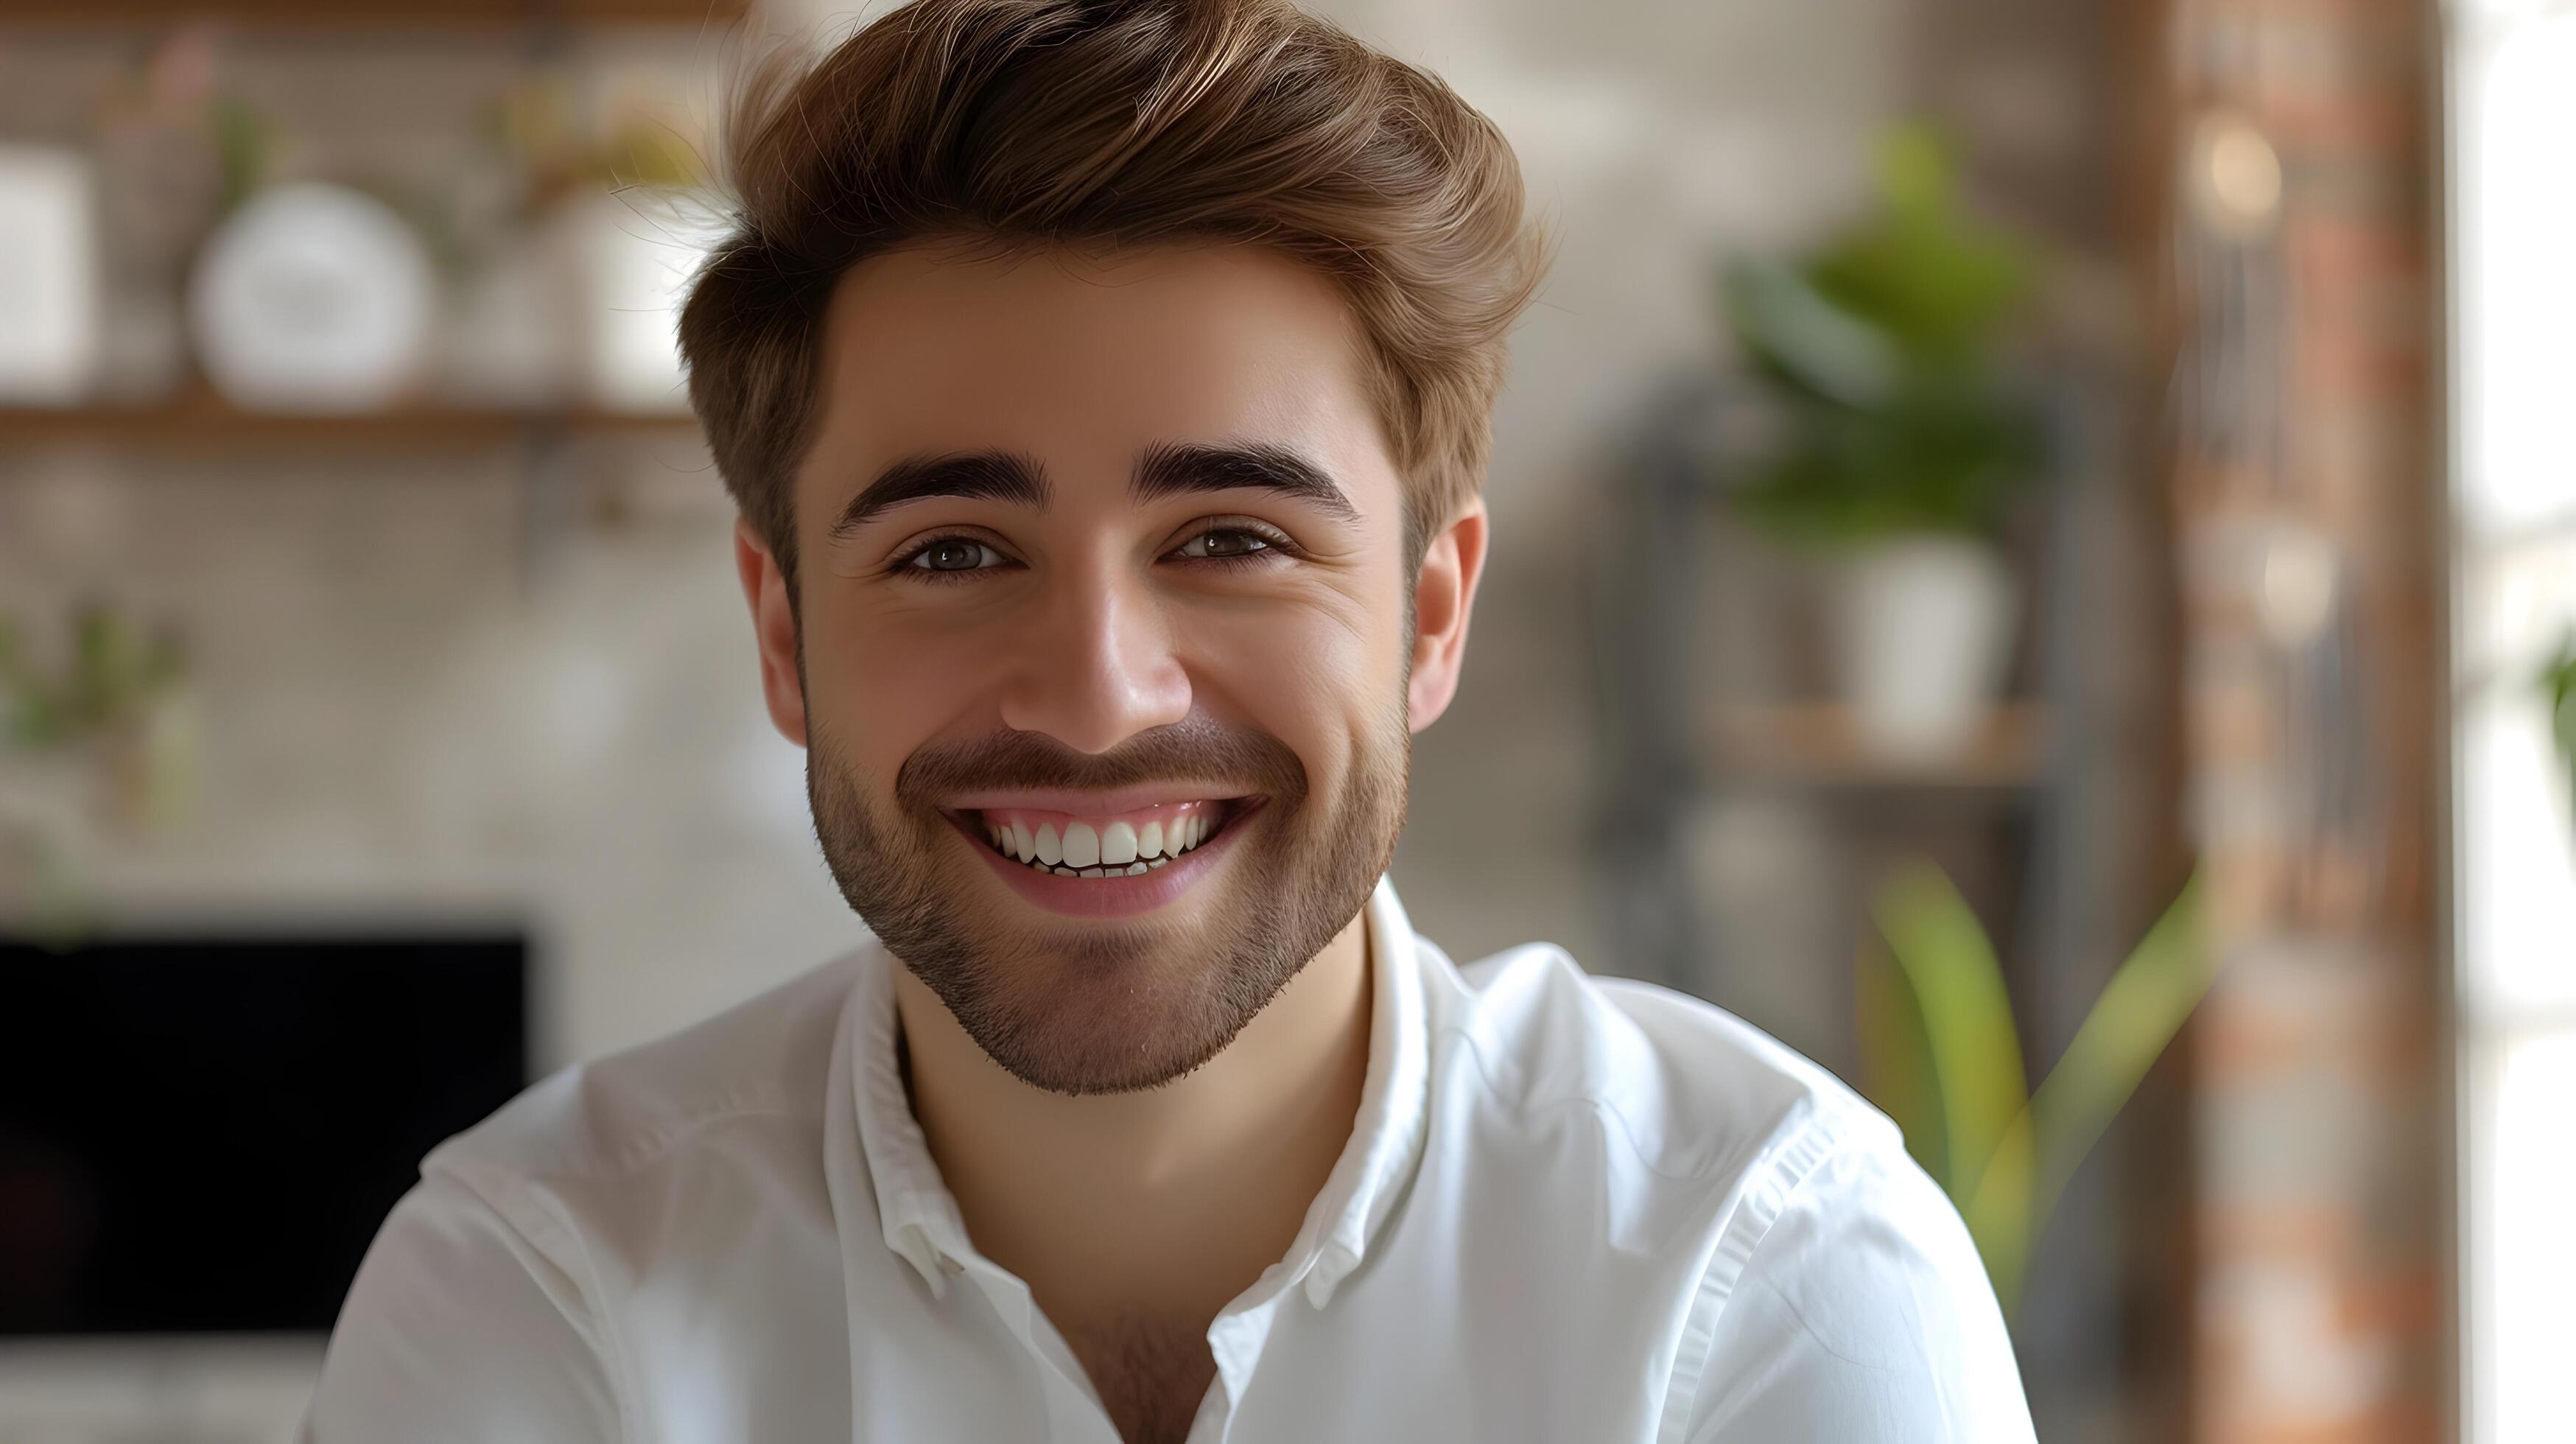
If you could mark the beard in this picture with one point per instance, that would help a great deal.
(1113, 1006)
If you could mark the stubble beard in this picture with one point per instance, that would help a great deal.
(1111, 1006)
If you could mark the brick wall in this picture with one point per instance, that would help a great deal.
(2307, 489)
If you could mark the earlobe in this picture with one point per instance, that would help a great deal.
(1444, 596)
(773, 626)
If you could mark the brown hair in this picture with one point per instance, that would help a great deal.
(1030, 123)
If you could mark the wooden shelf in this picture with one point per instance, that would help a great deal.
(1816, 744)
(361, 15)
(200, 421)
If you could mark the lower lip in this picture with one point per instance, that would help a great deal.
(1109, 897)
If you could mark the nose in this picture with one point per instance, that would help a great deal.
(1096, 664)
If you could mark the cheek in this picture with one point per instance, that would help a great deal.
(1312, 677)
(885, 685)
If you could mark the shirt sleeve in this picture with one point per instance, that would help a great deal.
(1862, 1316)
(458, 1328)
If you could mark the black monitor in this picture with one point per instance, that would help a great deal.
(202, 1134)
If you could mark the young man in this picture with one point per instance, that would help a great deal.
(1105, 387)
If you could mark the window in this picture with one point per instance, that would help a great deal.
(2513, 244)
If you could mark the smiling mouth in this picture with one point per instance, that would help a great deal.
(1127, 844)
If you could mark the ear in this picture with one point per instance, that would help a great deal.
(773, 627)
(1443, 594)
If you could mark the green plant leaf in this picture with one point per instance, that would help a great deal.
(2144, 1005)
(2558, 689)
(2003, 1213)
(1943, 952)
(245, 141)
(1895, 1057)
(114, 673)
(1807, 341)
(2149, 997)
(2003, 1155)
(1882, 349)
(1922, 267)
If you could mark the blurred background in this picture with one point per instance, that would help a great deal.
(2035, 560)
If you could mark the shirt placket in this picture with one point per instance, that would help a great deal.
(1075, 1414)
(1236, 1341)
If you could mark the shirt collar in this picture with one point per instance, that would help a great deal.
(920, 1216)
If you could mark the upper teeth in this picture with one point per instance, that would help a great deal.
(1087, 849)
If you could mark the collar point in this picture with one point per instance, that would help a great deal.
(1331, 1265)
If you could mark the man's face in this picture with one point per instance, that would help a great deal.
(1104, 668)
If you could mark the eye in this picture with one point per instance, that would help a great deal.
(1225, 543)
(951, 556)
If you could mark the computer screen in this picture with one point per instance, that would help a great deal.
(203, 1134)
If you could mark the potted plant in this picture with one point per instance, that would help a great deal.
(1901, 442)
(102, 745)
(1941, 1057)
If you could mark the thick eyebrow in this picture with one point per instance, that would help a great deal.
(981, 475)
(1165, 469)
(1172, 468)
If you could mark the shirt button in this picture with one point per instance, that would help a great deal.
(950, 1266)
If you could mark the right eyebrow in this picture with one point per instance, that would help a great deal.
(981, 475)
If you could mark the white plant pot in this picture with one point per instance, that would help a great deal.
(1922, 629)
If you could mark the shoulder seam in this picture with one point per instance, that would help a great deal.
(499, 1185)
(1823, 1133)
(1501, 1074)
(758, 1096)
(602, 1327)
(633, 1154)
(1601, 1106)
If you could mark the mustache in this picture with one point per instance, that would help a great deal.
(1196, 748)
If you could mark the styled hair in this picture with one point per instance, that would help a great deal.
(1025, 124)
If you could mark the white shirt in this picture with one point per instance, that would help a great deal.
(1571, 1209)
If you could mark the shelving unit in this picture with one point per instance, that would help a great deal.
(199, 421)
(1671, 754)
(345, 15)
(2045, 821)
(1816, 745)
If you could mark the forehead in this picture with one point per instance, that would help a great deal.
(1084, 359)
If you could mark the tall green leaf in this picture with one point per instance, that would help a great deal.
(2146, 1002)
(1948, 963)
(2002, 1154)
(1895, 1057)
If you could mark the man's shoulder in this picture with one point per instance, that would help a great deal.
(766, 1058)
(511, 1291)
(1698, 1094)
(1836, 1292)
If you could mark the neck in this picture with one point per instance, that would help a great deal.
(1170, 1199)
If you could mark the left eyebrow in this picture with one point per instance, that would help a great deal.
(1174, 468)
